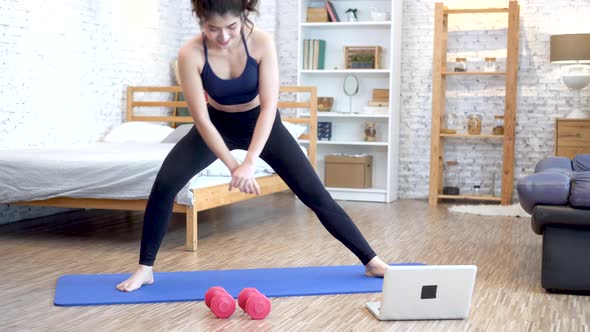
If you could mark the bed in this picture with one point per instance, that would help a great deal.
(133, 166)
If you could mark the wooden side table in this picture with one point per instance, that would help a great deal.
(572, 136)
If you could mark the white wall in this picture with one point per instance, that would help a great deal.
(65, 64)
(63, 77)
(64, 67)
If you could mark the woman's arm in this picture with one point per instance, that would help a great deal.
(268, 87)
(268, 91)
(194, 94)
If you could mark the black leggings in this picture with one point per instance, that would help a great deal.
(191, 155)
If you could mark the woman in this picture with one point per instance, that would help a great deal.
(238, 69)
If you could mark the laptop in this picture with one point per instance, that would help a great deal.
(417, 292)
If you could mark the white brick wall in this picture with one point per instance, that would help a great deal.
(62, 77)
(286, 41)
(64, 67)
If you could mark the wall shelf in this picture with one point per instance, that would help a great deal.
(472, 197)
(473, 136)
(345, 71)
(385, 24)
(346, 115)
(478, 73)
(304, 141)
(476, 11)
(439, 83)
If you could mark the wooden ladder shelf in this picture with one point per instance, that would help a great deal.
(439, 76)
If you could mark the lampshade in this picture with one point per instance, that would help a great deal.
(571, 48)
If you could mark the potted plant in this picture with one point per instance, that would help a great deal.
(358, 61)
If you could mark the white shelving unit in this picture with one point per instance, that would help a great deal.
(346, 71)
(348, 127)
(347, 24)
(346, 115)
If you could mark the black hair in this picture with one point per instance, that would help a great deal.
(204, 9)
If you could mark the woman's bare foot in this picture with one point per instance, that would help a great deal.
(375, 268)
(144, 275)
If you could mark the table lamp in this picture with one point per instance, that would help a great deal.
(573, 51)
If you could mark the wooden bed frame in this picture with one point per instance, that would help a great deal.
(208, 197)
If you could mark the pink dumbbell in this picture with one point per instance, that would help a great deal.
(254, 303)
(220, 302)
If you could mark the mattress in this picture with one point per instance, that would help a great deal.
(96, 170)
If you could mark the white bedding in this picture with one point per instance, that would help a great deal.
(98, 170)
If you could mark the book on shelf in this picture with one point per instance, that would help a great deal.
(319, 51)
(306, 55)
(332, 15)
(314, 53)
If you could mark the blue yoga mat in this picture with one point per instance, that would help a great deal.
(99, 289)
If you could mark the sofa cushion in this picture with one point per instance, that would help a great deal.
(550, 188)
(580, 190)
(567, 172)
(581, 163)
(553, 163)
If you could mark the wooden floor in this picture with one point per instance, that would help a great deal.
(279, 231)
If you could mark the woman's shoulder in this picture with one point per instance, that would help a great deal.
(192, 51)
(259, 41)
(259, 37)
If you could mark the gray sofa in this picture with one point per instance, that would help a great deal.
(557, 196)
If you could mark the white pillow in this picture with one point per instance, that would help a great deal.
(294, 129)
(178, 133)
(138, 132)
